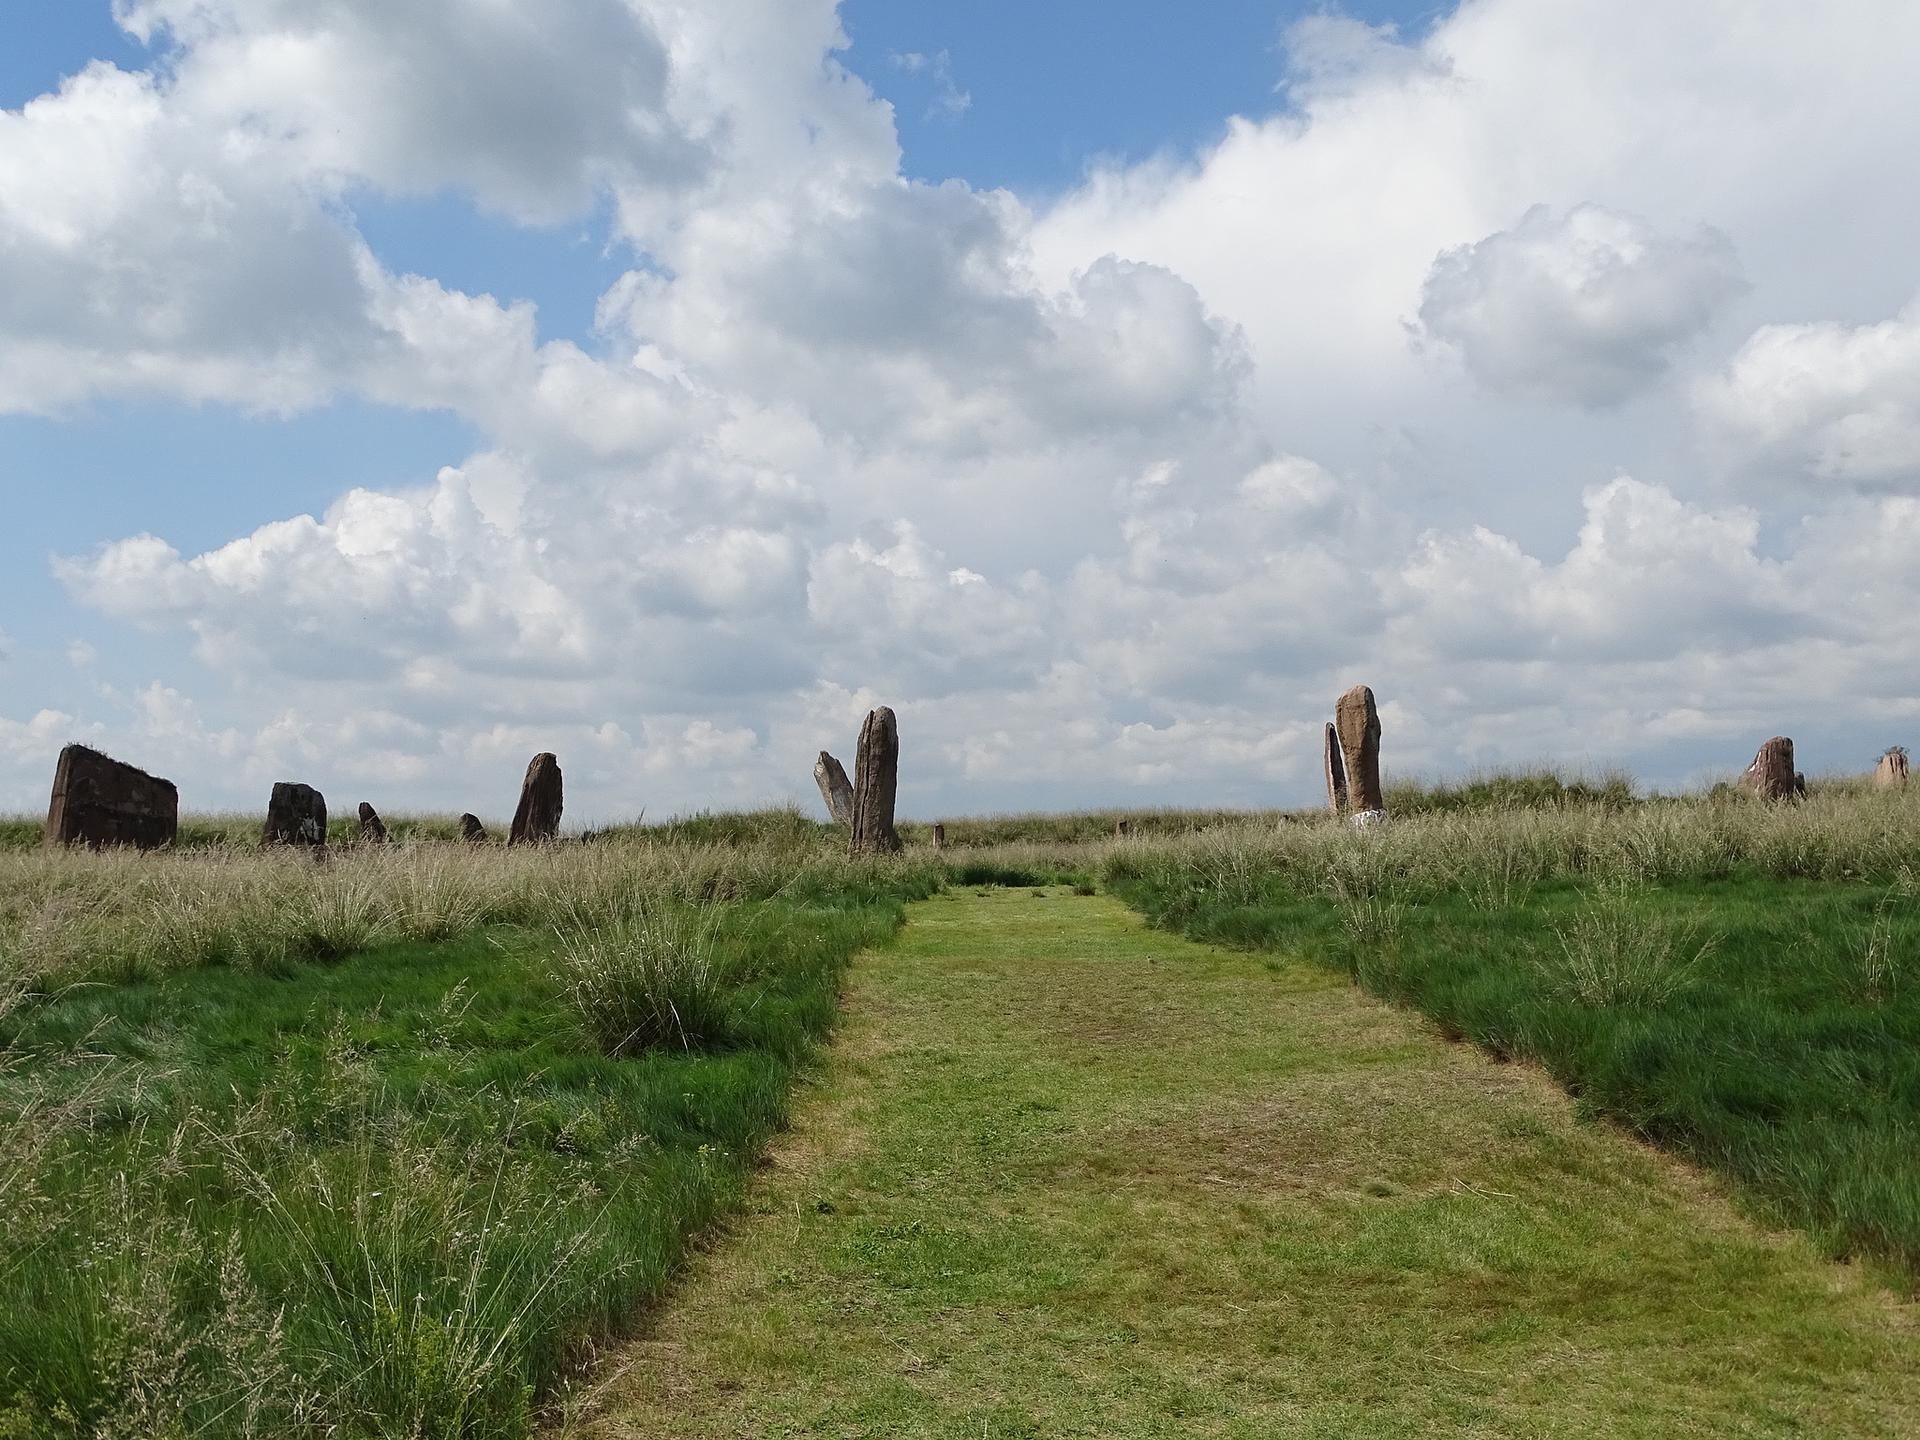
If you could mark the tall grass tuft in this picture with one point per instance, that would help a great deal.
(1616, 952)
(647, 974)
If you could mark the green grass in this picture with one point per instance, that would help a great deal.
(1766, 1026)
(1068, 1176)
(396, 1195)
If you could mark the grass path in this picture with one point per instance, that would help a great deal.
(1067, 1176)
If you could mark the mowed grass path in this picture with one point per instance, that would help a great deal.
(1068, 1176)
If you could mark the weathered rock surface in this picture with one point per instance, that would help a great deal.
(296, 815)
(1771, 776)
(1122, 829)
(1891, 772)
(1336, 769)
(472, 831)
(1357, 723)
(939, 837)
(538, 817)
(373, 830)
(831, 776)
(99, 801)
(876, 777)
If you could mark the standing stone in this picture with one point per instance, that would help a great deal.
(1891, 772)
(472, 831)
(373, 830)
(99, 802)
(1336, 769)
(538, 818)
(876, 776)
(1771, 776)
(939, 837)
(831, 776)
(296, 815)
(1122, 829)
(1357, 723)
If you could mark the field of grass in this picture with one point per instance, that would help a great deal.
(1737, 982)
(388, 1145)
(382, 1146)
(1069, 1176)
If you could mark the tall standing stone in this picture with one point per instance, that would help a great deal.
(939, 837)
(471, 830)
(99, 802)
(538, 818)
(876, 776)
(1771, 776)
(1891, 772)
(831, 776)
(1357, 723)
(296, 815)
(1336, 769)
(373, 830)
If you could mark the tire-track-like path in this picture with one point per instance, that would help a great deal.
(1067, 1176)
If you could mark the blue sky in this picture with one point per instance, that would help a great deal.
(658, 379)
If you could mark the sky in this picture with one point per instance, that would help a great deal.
(389, 393)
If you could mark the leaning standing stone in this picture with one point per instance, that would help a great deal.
(1891, 772)
(296, 815)
(99, 802)
(831, 776)
(876, 772)
(1357, 721)
(1336, 771)
(538, 817)
(1771, 776)
(472, 831)
(373, 830)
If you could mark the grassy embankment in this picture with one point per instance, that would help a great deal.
(382, 1146)
(1735, 981)
(1069, 1176)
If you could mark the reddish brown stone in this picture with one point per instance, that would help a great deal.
(876, 778)
(538, 818)
(100, 802)
(1771, 776)
(831, 776)
(373, 829)
(472, 831)
(1357, 722)
(296, 815)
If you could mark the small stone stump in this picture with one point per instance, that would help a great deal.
(1122, 829)
(373, 830)
(876, 778)
(1891, 772)
(472, 831)
(1771, 776)
(831, 776)
(296, 815)
(100, 802)
(1336, 769)
(939, 837)
(538, 818)
(1357, 723)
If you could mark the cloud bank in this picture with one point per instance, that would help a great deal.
(1520, 369)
